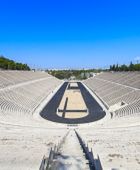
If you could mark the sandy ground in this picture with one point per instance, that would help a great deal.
(22, 148)
(75, 102)
(73, 84)
(71, 115)
(118, 145)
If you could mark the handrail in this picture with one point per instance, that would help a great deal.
(94, 164)
(46, 163)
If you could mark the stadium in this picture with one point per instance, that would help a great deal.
(39, 112)
(70, 85)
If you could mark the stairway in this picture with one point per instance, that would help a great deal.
(71, 156)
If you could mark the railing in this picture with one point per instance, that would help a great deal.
(94, 164)
(43, 165)
(47, 163)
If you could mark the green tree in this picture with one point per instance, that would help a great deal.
(7, 64)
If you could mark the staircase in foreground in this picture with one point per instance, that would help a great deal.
(70, 154)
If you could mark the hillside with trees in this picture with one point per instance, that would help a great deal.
(7, 64)
(130, 67)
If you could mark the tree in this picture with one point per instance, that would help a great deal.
(131, 66)
(7, 64)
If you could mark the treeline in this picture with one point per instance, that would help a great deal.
(7, 64)
(130, 67)
(73, 74)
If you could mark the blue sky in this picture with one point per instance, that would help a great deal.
(70, 33)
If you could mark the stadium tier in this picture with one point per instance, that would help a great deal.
(22, 91)
(8, 78)
(131, 79)
(120, 91)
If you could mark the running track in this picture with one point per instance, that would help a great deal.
(95, 110)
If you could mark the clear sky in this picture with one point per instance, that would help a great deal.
(70, 33)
